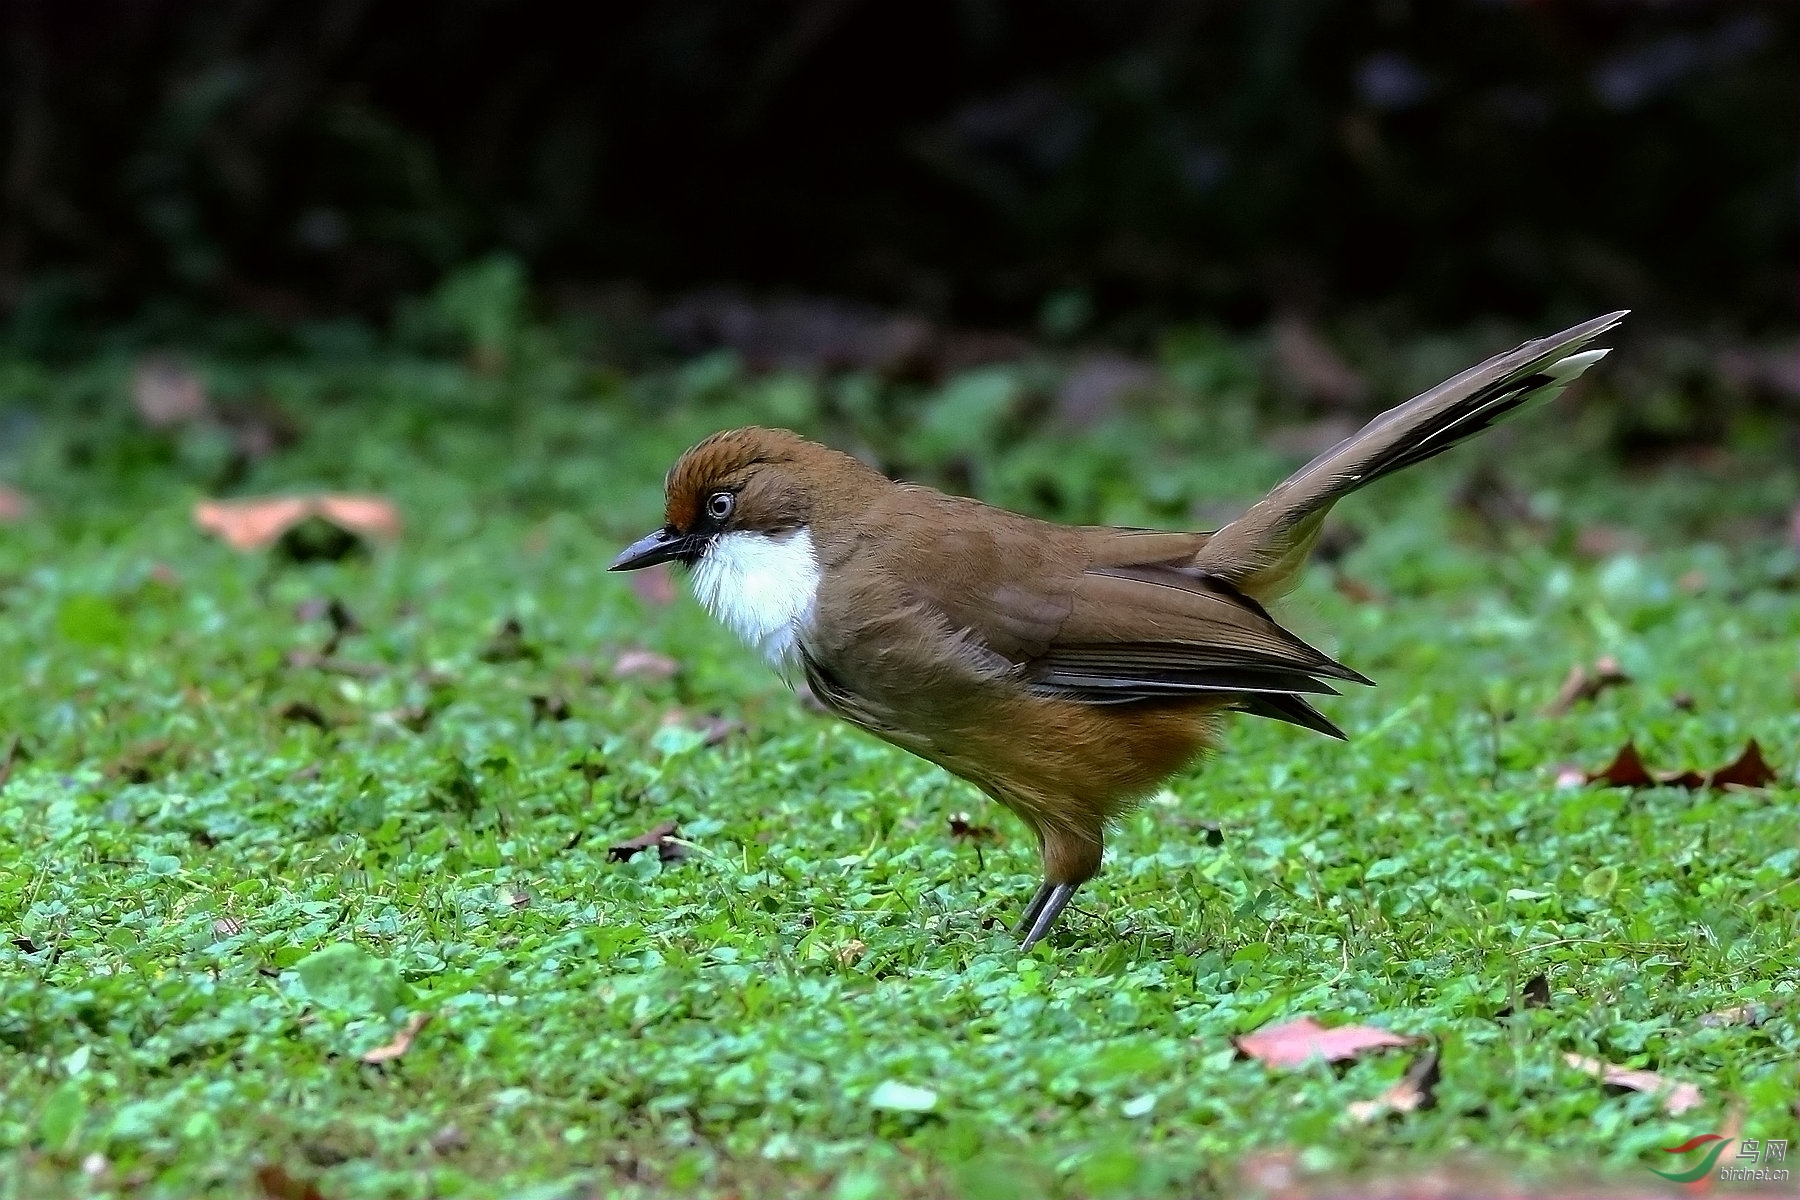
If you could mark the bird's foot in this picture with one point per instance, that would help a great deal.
(1047, 904)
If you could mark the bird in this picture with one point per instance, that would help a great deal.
(1065, 671)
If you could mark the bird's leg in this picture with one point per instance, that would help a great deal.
(1030, 915)
(1057, 899)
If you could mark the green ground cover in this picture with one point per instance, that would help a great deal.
(226, 874)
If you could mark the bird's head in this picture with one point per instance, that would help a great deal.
(763, 483)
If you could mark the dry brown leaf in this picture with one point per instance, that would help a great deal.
(644, 664)
(1677, 1097)
(259, 522)
(402, 1042)
(654, 585)
(166, 393)
(660, 837)
(1747, 770)
(1584, 683)
(1416, 1090)
(1295, 1042)
(13, 505)
(1625, 770)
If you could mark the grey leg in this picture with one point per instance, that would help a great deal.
(1060, 895)
(1033, 909)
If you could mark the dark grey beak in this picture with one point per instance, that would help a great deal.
(662, 546)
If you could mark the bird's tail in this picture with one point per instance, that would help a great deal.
(1262, 551)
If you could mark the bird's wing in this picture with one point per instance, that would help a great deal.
(1148, 631)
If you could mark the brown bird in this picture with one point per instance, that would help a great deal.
(1065, 671)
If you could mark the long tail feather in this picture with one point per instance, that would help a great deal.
(1262, 551)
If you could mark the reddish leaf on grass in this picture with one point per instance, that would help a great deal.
(1625, 770)
(1295, 1042)
(259, 522)
(402, 1042)
(655, 585)
(644, 664)
(660, 838)
(1677, 1097)
(1747, 770)
(1584, 683)
(13, 505)
(1416, 1090)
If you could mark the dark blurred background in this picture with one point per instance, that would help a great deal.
(1047, 167)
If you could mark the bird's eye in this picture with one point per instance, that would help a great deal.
(719, 505)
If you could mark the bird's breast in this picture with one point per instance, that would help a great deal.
(764, 587)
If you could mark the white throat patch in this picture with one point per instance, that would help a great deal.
(761, 587)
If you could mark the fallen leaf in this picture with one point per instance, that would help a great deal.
(646, 665)
(13, 505)
(661, 837)
(1625, 770)
(1583, 684)
(1416, 1090)
(1299, 1041)
(963, 829)
(654, 585)
(277, 1184)
(1747, 770)
(402, 1042)
(1677, 1098)
(166, 393)
(260, 522)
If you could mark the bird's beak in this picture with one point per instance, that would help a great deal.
(662, 546)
